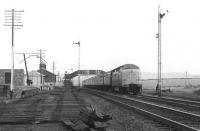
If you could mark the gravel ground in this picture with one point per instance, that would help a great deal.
(32, 127)
(123, 120)
(54, 105)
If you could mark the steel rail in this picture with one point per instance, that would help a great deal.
(170, 103)
(164, 120)
(176, 100)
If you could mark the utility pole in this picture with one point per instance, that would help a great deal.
(58, 76)
(41, 70)
(159, 84)
(186, 79)
(28, 81)
(13, 18)
(54, 78)
(79, 81)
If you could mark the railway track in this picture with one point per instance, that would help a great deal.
(176, 119)
(56, 105)
(20, 111)
(180, 104)
(68, 107)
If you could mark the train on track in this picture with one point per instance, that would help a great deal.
(123, 79)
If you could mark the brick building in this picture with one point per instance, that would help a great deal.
(5, 80)
(5, 77)
(49, 77)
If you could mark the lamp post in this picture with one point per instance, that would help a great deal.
(159, 84)
(78, 43)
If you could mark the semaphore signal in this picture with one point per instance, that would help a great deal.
(159, 84)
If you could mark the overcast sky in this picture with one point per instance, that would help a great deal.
(112, 33)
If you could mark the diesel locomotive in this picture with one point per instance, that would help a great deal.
(123, 79)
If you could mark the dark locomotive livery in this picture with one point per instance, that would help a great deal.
(124, 79)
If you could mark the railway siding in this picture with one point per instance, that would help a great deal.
(55, 106)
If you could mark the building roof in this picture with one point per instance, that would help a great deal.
(49, 76)
(126, 66)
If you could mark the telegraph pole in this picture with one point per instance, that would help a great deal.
(41, 70)
(159, 84)
(13, 18)
(58, 76)
(186, 78)
(54, 78)
(79, 81)
(24, 59)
